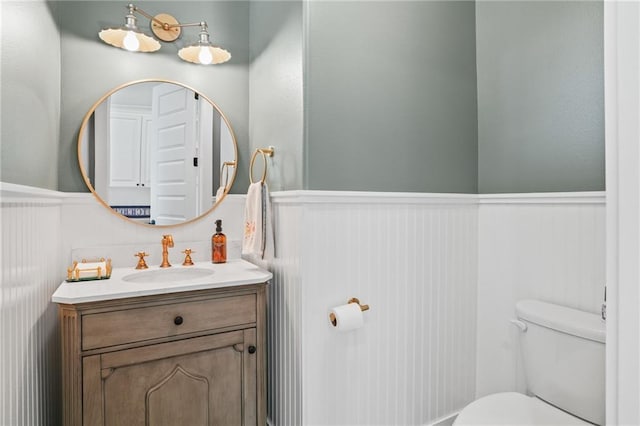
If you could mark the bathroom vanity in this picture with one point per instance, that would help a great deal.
(174, 346)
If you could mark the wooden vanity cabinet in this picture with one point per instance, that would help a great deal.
(193, 358)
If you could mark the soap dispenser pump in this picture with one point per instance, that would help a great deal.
(218, 245)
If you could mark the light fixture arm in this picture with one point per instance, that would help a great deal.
(191, 24)
(165, 25)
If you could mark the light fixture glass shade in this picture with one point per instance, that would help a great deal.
(200, 54)
(203, 52)
(125, 38)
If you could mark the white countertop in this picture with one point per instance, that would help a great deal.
(234, 272)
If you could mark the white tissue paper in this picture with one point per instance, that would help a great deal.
(348, 317)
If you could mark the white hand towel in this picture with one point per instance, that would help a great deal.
(252, 241)
(258, 227)
(268, 244)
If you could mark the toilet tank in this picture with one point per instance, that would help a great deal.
(564, 357)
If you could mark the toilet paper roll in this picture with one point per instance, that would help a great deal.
(347, 317)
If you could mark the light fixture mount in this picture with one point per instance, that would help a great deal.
(165, 27)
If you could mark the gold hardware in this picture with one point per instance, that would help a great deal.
(167, 242)
(165, 27)
(266, 152)
(141, 263)
(225, 168)
(363, 308)
(187, 257)
(109, 267)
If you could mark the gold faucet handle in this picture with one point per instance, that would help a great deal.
(187, 257)
(168, 240)
(141, 263)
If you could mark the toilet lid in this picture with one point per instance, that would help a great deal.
(512, 408)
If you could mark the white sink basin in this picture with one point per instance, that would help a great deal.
(168, 275)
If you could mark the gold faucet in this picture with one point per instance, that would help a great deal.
(167, 241)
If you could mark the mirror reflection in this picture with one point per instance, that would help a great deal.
(157, 152)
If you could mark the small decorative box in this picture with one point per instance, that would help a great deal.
(88, 270)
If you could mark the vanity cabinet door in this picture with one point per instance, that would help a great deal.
(209, 380)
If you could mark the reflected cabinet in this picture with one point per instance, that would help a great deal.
(195, 358)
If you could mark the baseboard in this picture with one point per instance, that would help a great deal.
(444, 421)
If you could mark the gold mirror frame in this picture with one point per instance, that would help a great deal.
(87, 180)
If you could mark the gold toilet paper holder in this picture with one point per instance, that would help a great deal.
(363, 308)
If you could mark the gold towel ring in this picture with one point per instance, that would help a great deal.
(266, 152)
(225, 168)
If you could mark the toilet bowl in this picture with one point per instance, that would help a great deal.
(514, 409)
(563, 352)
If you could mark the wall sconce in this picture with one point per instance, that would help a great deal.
(166, 28)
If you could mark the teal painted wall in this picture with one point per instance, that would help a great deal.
(390, 93)
(540, 96)
(379, 96)
(30, 80)
(275, 95)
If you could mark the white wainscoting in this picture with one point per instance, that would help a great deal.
(425, 263)
(29, 334)
(413, 259)
(284, 360)
(544, 246)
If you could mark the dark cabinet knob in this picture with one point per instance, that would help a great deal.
(178, 320)
(252, 349)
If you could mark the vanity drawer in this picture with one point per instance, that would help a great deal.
(146, 323)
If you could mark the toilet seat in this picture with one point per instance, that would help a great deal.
(512, 408)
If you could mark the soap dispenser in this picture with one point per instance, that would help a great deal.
(218, 245)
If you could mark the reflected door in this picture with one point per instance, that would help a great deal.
(173, 170)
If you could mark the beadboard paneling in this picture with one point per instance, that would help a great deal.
(285, 381)
(549, 247)
(413, 259)
(31, 268)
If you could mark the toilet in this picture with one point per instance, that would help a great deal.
(564, 362)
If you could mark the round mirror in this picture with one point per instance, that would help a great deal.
(157, 152)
